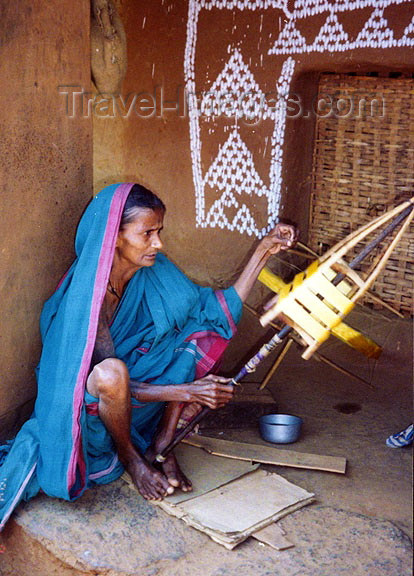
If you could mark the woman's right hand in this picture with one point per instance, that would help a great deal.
(212, 391)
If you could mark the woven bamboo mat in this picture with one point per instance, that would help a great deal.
(363, 164)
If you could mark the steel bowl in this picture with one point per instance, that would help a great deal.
(280, 428)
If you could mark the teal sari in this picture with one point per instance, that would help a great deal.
(166, 329)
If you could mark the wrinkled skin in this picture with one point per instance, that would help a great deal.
(137, 245)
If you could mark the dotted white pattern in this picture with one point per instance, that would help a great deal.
(233, 170)
(332, 37)
(235, 93)
(232, 178)
(305, 8)
(244, 4)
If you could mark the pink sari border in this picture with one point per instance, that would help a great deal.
(108, 470)
(17, 497)
(211, 358)
(101, 281)
(61, 280)
(210, 347)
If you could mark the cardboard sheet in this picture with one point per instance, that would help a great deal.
(274, 536)
(256, 497)
(230, 501)
(206, 472)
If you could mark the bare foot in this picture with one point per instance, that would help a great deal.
(171, 468)
(151, 483)
(174, 474)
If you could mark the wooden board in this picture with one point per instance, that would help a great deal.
(268, 455)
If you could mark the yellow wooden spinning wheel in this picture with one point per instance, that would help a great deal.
(341, 330)
(317, 300)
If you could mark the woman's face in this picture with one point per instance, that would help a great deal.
(139, 241)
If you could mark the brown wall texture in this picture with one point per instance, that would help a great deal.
(152, 133)
(146, 135)
(149, 139)
(46, 177)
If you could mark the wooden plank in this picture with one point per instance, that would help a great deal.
(267, 454)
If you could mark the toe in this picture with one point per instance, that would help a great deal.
(173, 480)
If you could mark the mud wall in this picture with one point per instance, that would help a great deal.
(216, 115)
(46, 177)
(184, 127)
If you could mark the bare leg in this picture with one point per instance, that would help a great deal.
(109, 381)
(167, 429)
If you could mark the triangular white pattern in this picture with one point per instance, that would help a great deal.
(234, 167)
(233, 171)
(408, 36)
(376, 33)
(331, 36)
(216, 215)
(244, 221)
(290, 40)
(235, 92)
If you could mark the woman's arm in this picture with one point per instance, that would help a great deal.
(212, 391)
(282, 237)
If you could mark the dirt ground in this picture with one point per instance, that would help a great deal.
(361, 522)
(343, 417)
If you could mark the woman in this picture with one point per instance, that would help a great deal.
(124, 333)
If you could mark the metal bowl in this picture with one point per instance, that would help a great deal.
(280, 428)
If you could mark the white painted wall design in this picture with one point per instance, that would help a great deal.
(227, 189)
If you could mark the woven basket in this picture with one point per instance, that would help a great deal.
(364, 164)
